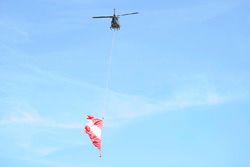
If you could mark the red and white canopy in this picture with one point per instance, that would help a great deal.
(94, 129)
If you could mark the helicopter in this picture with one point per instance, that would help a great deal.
(115, 25)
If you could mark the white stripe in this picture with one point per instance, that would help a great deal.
(95, 129)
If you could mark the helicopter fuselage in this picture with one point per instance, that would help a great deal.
(115, 23)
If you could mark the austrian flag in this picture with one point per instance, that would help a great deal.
(94, 129)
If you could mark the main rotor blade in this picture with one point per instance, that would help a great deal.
(98, 17)
(128, 14)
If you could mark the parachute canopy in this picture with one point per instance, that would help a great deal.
(94, 129)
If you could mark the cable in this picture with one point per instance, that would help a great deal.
(108, 76)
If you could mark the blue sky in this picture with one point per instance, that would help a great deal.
(179, 87)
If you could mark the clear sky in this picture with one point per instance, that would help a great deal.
(179, 87)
